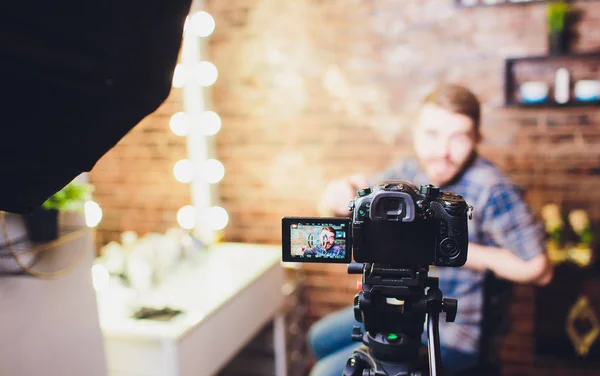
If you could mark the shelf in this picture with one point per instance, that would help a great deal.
(483, 3)
(581, 66)
(571, 56)
(489, 3)
(553, 104)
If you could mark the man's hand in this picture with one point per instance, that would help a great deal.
(337, 195)
(507, 265)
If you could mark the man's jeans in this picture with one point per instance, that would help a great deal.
(329, 339)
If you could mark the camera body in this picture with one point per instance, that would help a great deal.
(395, 223)
(399, 224)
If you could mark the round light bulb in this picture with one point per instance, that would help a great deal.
(210, 122)
(179, 124)
(218, 218)
(186, 217)
(184, 171)
(206, 73)
(213, 171)
(202, 24)
(129, 238)
(93, 213)
(100, 277)
(179, 76)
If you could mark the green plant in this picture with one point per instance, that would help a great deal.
(557, 16)
(71, 197)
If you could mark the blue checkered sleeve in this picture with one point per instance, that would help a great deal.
(508, 222)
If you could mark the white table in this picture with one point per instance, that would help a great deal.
(49, 327)
(226, 298)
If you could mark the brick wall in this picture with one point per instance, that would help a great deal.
(134, 182)
(313, 90)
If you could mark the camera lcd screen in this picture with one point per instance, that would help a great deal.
(327, 240)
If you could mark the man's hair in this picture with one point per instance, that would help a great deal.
(328, 228)
(457, 99)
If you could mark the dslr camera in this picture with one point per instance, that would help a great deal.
(395, 223)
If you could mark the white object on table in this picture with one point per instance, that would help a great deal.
(226, 298)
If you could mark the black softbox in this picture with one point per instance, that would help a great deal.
(76, 77)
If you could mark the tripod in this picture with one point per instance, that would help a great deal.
(392, 306)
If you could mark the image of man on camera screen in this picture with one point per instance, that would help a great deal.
(506, 240)
(325, 246)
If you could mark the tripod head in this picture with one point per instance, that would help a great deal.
(393, 306)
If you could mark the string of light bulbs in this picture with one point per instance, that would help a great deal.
(198, 124)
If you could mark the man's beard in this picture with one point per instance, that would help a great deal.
(459, 169)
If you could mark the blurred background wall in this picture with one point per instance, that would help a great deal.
(312, 90)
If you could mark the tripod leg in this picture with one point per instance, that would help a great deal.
(433, 343)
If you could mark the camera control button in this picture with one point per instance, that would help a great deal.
(364, 192)
(449, 247)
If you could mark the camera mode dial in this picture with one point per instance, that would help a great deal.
(430, 190)
(449, 247)
(453, 204)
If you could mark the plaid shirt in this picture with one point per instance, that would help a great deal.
(500, 219)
